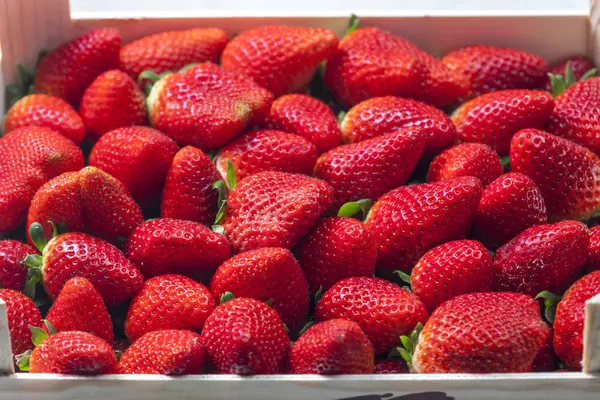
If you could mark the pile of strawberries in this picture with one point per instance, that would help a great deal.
(189, 203)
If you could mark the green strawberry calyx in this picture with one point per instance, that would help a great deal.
(225, 297)
(222, 187)
(38, 335)
(352, 208)
(408, 344)
(560, 83)
(24, 86)
(352, 24)
(550, 302)
(405, 278)
(35, 261)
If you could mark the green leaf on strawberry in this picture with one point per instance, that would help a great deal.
(354, 207)
(550, 302)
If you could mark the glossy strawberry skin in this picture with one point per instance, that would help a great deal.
(481, 333)
(546, 359)
(382, 309)
(21, 312)
(268, 150)
(60, 74)
(466, 159)
(423, 217)
(579, 65)
(333, 347)
(45, 111)
(371, 168)
(392, 366)
(13, 273)
(282, 59)
(593, 263)
(494, 118)
(246, 337)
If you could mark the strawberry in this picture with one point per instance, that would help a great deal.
(60, 72)
(172, 246)
(481, 333)
(466, 159)
(333, 347)
(138, 156)
(380, 115)
(371, 168)
(112, 101)
(305, 116)
(452, 269)
(274, 209)
(508, 206)
(282, 59)
(382, 309)
(171, 51)
(206, 106)
(546, 360)
(266, 274)
(410, 220)
(337, 248)
(593, 263)
(494, 118)
(246, 337)
(168, 302)
(80, 307)
(46, 111)
(21, 312)
(268, 150)
(13, 273)
(391, 366)
(579, 66)
(569, 320)
(188, 192)
(543, 257)
(489, 68)
(569, 183)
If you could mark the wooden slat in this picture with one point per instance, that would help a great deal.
(6, 359)
(591, 336)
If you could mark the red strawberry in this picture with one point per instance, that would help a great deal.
(46, 111)
(466, 159)
(489, 68)
(60, 72)
(266, 274)
(172, 246)
(21, 312)
(246, 337)
(593, 263)
(410, 220)
(112, 101)
(13, 273)
(138, 156)
(546, 360)
(543, 257)
(307, 117)
(268, 150)
(333, 347)
(338, 248)
(188, 192)
(371, 168)
(171, 51)
(166, 352)
(206, 106)
(508, 206)
(566, 173)
(494, 118)
(282, 59)
(380, 115)
(579, 66)
(274, 209)
(168, 302)
(382, 309)
(452, 269)
(392, 366)
(481, 333)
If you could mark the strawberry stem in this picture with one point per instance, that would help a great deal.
(354, 207)
(353, 24)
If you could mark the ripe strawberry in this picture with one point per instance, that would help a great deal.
(593, 262)
(21, 312)
(371, 168)
(282, 59)
(410, 220)
(466, 159)
(60, 72)
(494, 118)
(13, 273)
(333, 347)
(246, 337)
(45, 111)
(305, 116)
(543, 257)
(171, 51)
(274, 209)
(112, 101)
(268, 150)
(481, 333)
(569, 183)
(172, 246)
(382, 309)
(392, 366)
(380, 115)
(338, 248)
(168, 302)
(546, 359)
(452, 269)
(266, 274)
(579, 65)
(508, 206)
(206, 106)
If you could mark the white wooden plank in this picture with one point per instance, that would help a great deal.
(591, 336)
(6, 359)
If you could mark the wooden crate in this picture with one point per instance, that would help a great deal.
(27, 26)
